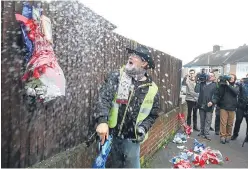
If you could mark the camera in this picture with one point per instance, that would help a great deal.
(245, 80)
(223, 79)
(202, 77)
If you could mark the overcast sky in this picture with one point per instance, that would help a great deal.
(184, 29)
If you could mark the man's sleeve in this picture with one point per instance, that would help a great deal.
(197, 87)
(149, 121)
(234, 90)
(216, 95)
(241, 98)
(105, 98)
(191, 90)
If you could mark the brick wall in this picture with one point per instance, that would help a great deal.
(81, 157)
(233, 68)
(161, 132)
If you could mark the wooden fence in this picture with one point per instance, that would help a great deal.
(86, 49)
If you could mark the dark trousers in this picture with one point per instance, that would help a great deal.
(191, 107)
(206, 120)
(124, 154)
(217, 120)
(240, 114)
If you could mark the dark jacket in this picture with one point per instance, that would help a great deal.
(206, 92)
(226, 97)
(242, 98)
(106, 96)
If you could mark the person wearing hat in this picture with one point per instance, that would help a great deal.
(127, 107)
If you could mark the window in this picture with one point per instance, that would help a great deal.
(241, 69)
(209, 70)
(196, 60)
(226, 53)
(227, 68)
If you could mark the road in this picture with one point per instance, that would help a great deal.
(237, 155)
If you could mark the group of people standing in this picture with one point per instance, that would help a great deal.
(128, 106)
(206, 93)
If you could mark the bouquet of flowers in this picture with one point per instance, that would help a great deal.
(44, 79)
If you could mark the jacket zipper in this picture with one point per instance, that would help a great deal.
(125, 113)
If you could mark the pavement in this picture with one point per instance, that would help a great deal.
(236, 154)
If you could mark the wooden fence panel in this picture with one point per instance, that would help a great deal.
(86, 50)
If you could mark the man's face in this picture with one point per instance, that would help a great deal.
(211, 77)
(192, 75)
(232, 79)
(135, 62)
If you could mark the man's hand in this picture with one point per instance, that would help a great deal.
(30, 92)
(210, 104)
(140, 134)
(103, 131)
(227, 82)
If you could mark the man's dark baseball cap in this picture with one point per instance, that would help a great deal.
(145, 54)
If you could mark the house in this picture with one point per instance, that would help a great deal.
(237, 63)
(226, 61)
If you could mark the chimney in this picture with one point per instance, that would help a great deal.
(216, 48)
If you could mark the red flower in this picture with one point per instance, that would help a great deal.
(36, 74)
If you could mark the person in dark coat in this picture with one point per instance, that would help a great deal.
(226, 97)
(127, 90)
(206, 91)
(242, 109)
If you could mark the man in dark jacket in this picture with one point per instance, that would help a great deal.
(206, 91)
(128, 104)
(242, 109)
(226, 97)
